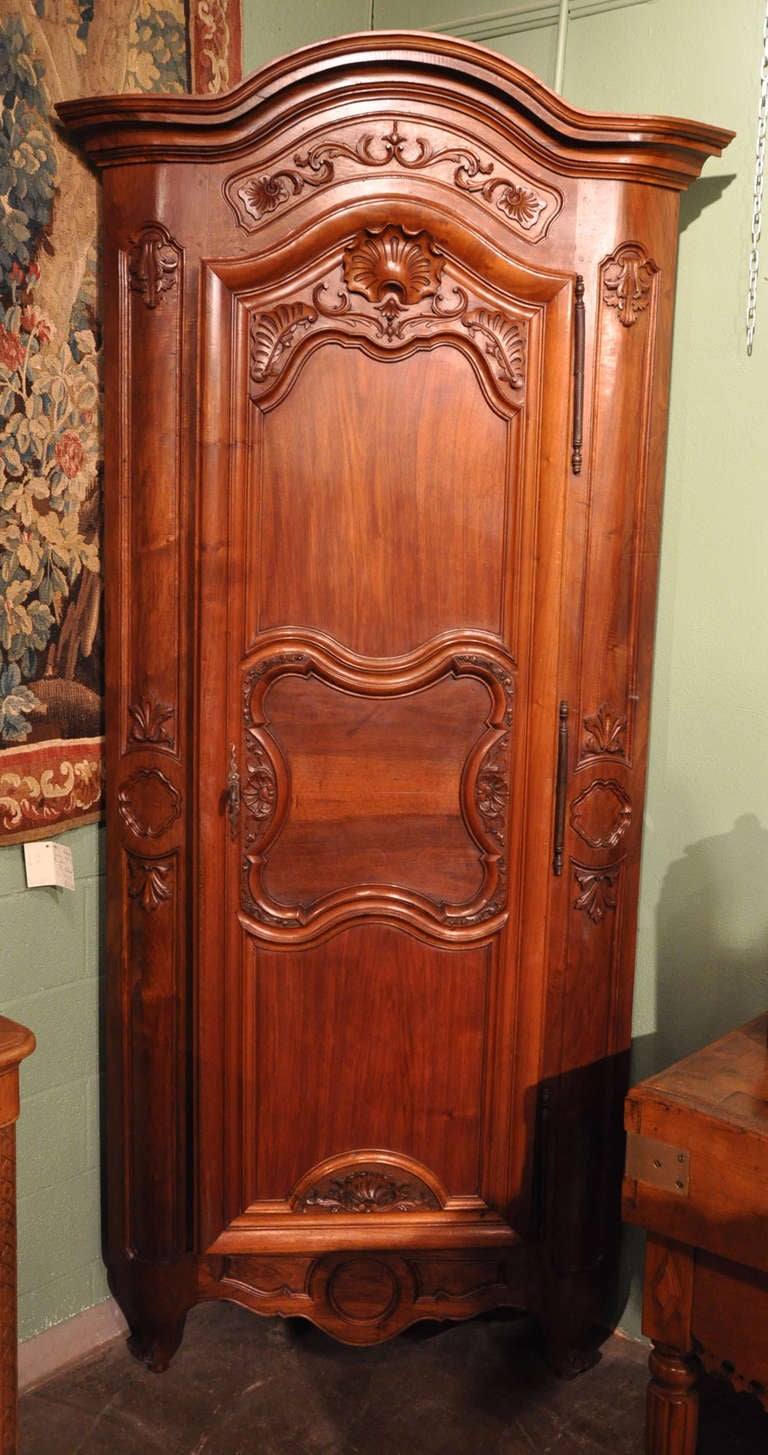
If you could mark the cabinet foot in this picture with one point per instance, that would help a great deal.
(156, 1344)
(672, 1406)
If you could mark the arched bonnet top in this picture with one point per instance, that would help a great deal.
(381, 67)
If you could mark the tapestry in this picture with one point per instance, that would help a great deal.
(51, 762)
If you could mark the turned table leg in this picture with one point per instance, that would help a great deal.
(15, 1043)
(672, 1405)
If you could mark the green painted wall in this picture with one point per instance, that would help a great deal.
(702, 959)
(703, 942)
(49, 980)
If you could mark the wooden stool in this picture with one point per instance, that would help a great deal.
(16, 1042)
(697, 1178)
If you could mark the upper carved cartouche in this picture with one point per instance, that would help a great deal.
(256, 195)
(400, 276)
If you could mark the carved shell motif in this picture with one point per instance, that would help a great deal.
(399, 274)
(393, 263)
(367, 1191)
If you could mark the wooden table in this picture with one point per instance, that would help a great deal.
(697, 1178)
(16, 1042)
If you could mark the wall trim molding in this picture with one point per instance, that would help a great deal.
(530, 15)
(68, 1343)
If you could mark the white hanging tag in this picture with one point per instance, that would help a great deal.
(47, 862)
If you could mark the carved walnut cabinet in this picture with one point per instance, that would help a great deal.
(388, 334)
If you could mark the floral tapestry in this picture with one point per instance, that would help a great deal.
(50, 376)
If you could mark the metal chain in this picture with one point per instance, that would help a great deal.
(757, 211)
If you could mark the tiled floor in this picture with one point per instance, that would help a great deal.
(241, 1385)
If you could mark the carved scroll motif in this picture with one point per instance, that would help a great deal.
(528, 207)
(399, 275)
(151, 881)
(154, 262)
(627, 280)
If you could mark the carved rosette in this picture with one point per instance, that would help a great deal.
(150, 882)
(526, 205)
(154, 263)
(259, 796)
(390, 289)
(627, 282)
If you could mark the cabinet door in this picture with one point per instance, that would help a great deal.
(386, 404)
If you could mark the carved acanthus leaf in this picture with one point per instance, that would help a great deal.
(272, 335)
(149, 721)
(605, 732)
(153, 263)
(627, 278)
(598, 892)
(504, 343)
(150, 881)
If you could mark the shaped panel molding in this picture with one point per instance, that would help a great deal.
(148, 803)
(524, 203)
(601, 814)
(357, 743)
(399, 276)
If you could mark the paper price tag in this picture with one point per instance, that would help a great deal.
(49, 863)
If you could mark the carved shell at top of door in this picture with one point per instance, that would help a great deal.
(525, 204)
(400, 276)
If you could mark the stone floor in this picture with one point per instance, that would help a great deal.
(241, 1385)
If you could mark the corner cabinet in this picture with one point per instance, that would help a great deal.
(388, 334)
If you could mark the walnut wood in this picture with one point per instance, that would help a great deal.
(16, 1042)
(706, 1280)
(364, 318)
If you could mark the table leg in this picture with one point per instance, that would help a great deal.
(672, 1407)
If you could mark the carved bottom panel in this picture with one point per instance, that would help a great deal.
(365, 1298)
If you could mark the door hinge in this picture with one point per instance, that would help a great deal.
(658, 1164)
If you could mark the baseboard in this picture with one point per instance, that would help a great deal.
(65, 1344)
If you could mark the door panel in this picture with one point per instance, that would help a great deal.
(421, 548)
(350, 1039)
(387, 493)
